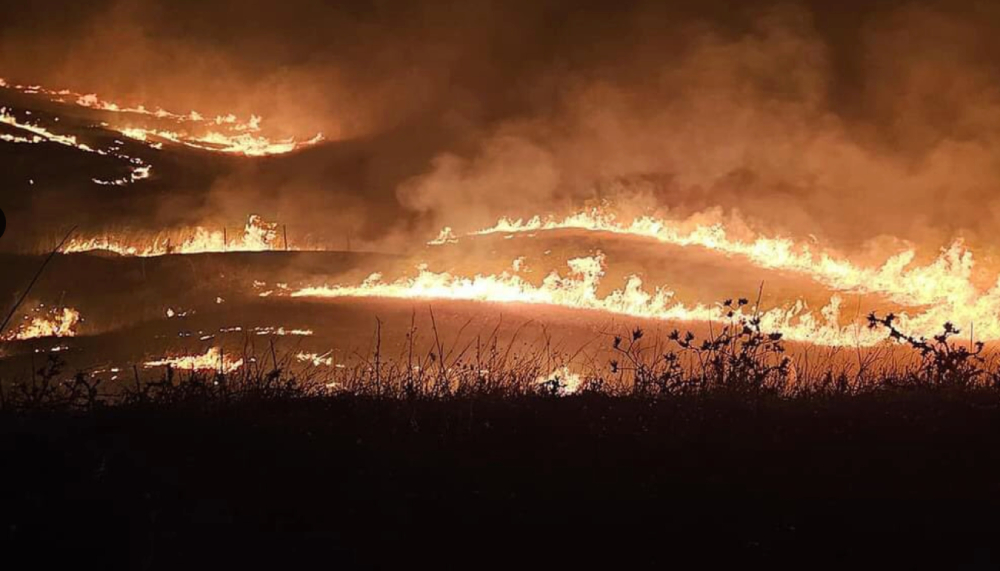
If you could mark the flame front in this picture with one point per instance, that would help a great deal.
(139, 169)
(223, 134)
(258, 236)
(947, 279)
(579, 290)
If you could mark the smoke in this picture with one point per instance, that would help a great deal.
(756, 122)
(858, 123)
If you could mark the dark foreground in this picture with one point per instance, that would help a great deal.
(887, 480)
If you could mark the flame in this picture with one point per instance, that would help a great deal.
(281, 331)
(60, 323)
(446, 236)
(943, 288)
(579, 290)
(315, 359)
(258, 236)
(567, 381)
(947, 279)
(139, 170)
(213, 359)
(224, 133)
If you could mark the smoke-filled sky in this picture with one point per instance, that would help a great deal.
(857, 122)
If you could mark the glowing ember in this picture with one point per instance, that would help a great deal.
(212, 360)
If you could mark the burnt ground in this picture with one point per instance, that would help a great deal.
(888, 480)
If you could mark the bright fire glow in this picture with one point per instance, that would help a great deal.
(315, 359)
(224, 133)
(578, 290)
(211, 360)
(59, 323)
(139, 169)
(568, 381)
(947, 279)
(258, 236)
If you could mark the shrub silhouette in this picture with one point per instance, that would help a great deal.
(943, 362)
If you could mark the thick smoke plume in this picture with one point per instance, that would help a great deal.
(879, 123)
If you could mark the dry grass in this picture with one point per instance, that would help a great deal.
(739, 359)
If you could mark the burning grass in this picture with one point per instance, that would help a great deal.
(222, 134)
(257, 235)
(738, 357)
(707, 445)
(45, 322)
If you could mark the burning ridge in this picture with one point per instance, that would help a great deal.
(222, 134)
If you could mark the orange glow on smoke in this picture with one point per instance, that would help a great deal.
(933, 293)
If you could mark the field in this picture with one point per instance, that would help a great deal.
(499, 285)
(647, 463)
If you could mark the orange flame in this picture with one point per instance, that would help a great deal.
(61, 323)
(258, 236)
(213, 359)
(579, 290)
(946, 279)
(139, 169)
(223, 133)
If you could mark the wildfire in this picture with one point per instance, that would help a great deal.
(563, 380)
(224, 133)
(315, 359)
(947, 279)
(579, 290)
(447, 236)
(932, 293)
(211, 360)
(139, 170)
(58, 323)
(258, 236)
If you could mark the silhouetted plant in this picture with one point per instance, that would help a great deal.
(942, 362)
(741, 357)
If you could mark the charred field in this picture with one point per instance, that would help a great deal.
(479, 284)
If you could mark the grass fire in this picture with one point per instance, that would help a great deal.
(372, 284)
